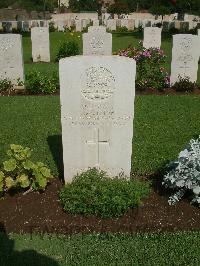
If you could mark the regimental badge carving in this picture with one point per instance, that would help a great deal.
(5, 44)
(98, 84)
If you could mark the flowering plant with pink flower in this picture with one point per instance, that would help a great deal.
(150, 73)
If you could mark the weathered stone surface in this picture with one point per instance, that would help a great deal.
(185, 56)
(100, 29)
(79, 25)
(97, 43)
(96, 22)
(111, 24)
(97, 109)
(128, 23)
(11, 57)
(40, 44)
(152, 37)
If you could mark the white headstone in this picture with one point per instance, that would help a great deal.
(128, 23)
(152, 37)
(79, 25)
(84, 23)
(61, 25)
(111, 24)
(97, 109)
(40, 44)
(11, 57)
(96, 22)
(101, 29)
(97, 43)
(177, 24)
(185, 56)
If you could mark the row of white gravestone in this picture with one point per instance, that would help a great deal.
(185, 53)
(9, 26)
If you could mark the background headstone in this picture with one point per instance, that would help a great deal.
(79, 25)
(61, 26)
(40, 44)
(128, 23)
(152, 37)
(185, 56)
(11, 57)
(97, 43)
(96, 22)
(111, 24)
(97, 109)
(97, 29)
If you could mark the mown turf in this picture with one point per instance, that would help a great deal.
(120, 41)
(162, 126)
(141, 249)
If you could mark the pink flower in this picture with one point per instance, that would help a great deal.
(147, 53)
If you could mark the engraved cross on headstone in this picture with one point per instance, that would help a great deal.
(98, 142)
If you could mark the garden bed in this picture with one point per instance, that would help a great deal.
(40, 213)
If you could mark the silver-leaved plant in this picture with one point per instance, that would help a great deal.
(184, 174)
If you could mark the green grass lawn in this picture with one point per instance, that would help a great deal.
(162, 126)
(120, 41)
(180, 249)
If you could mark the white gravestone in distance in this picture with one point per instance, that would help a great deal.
(95, 22)
(185, 56)
(101, 29)
(152, 37)
(97, 110)
(79, 25)
(128, 23)
(11, 58)
(97, 43)
(40, 44)
(111, 24)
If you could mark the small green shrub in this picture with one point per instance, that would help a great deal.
(93, 192)
(66, 49)
(184, 84)
(19, 172)
(37, 82)
(184, 174)
(5, 85)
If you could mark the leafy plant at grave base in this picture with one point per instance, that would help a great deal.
(184, 84)
(184, 174)
(66, 49)
(19, 172)
(150, 73)
(37, 82)
(5, 85)
(94, 192)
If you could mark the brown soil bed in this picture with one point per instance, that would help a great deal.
(42, 213)
(149, 91)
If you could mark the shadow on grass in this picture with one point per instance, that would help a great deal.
(55, 145)
(11, 257)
